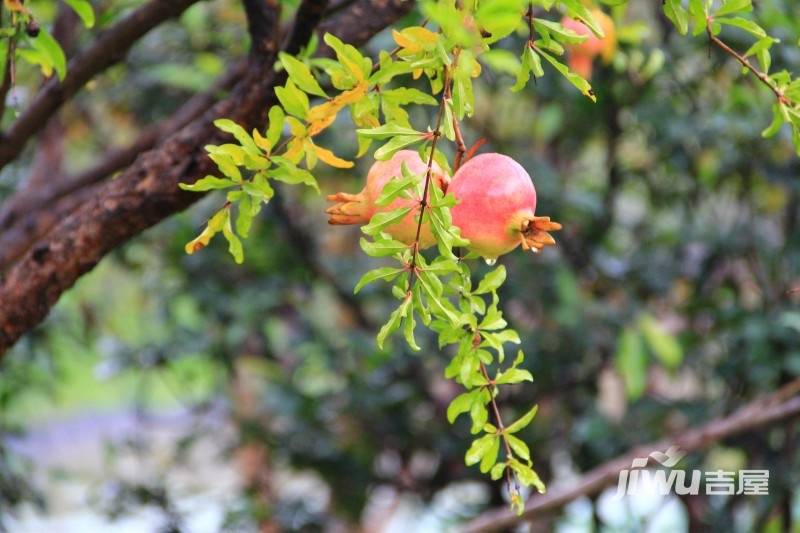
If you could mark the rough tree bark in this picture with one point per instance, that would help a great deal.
(147, 192)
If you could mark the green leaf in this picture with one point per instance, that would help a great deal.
(84, 10)
(497, 471)
(677, 14)
(777, 121)
(234, 244)
(491, 281)
(581, 84)
(730, 7)
(631, 361)
(224, 162)
(493, 320)
(276, 118)
(293, 100)
(248, 209)
(460, 404)
(379, 221)
(577, 9)
(527, 476)
(478, 449)
(408, 95)
(394, 188)
(301, 75)
(747, 25)
(440, 305)
(396, 143)
(349, 56)
(208, 183)
(513, 375)
(394, 322)
(663, 345)
(563, 34)
(244, 138)
(385, 273)
(382, 248)
(523, 421)
(761, 50)
(477, 412)
(408, 331)
(287, 172)
(490, 456)
(388, 130)
(519, 447)
(45, 44)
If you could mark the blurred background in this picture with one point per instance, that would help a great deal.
(168, 392)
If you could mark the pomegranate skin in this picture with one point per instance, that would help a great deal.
(495, 196)
(360, 208)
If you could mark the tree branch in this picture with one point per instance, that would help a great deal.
(22, 217)
(147, 192)
(762, 76)
(109, 48)
(776, 407)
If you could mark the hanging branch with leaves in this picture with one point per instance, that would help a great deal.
(434, 288)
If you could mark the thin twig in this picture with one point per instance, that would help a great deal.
(461, 148)
(435, 134)
(746, 63)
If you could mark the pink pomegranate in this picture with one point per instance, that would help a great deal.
(359, 208)
(496, 207)
(581, 55)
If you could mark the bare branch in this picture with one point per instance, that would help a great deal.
(109, 48)
(776, 407)
(147, 192)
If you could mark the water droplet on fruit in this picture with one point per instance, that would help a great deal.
(490, 260)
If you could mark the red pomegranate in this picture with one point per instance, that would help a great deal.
(496, 207)
(359, 208)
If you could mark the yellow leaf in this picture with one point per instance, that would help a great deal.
(405, 42)
(476, 70)
(422, 35)
(213, 227)
(261, 142)
(323, 115)
(316, 127)
(311, 153)
(330, 158)
(294, 151)
(296, 127)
